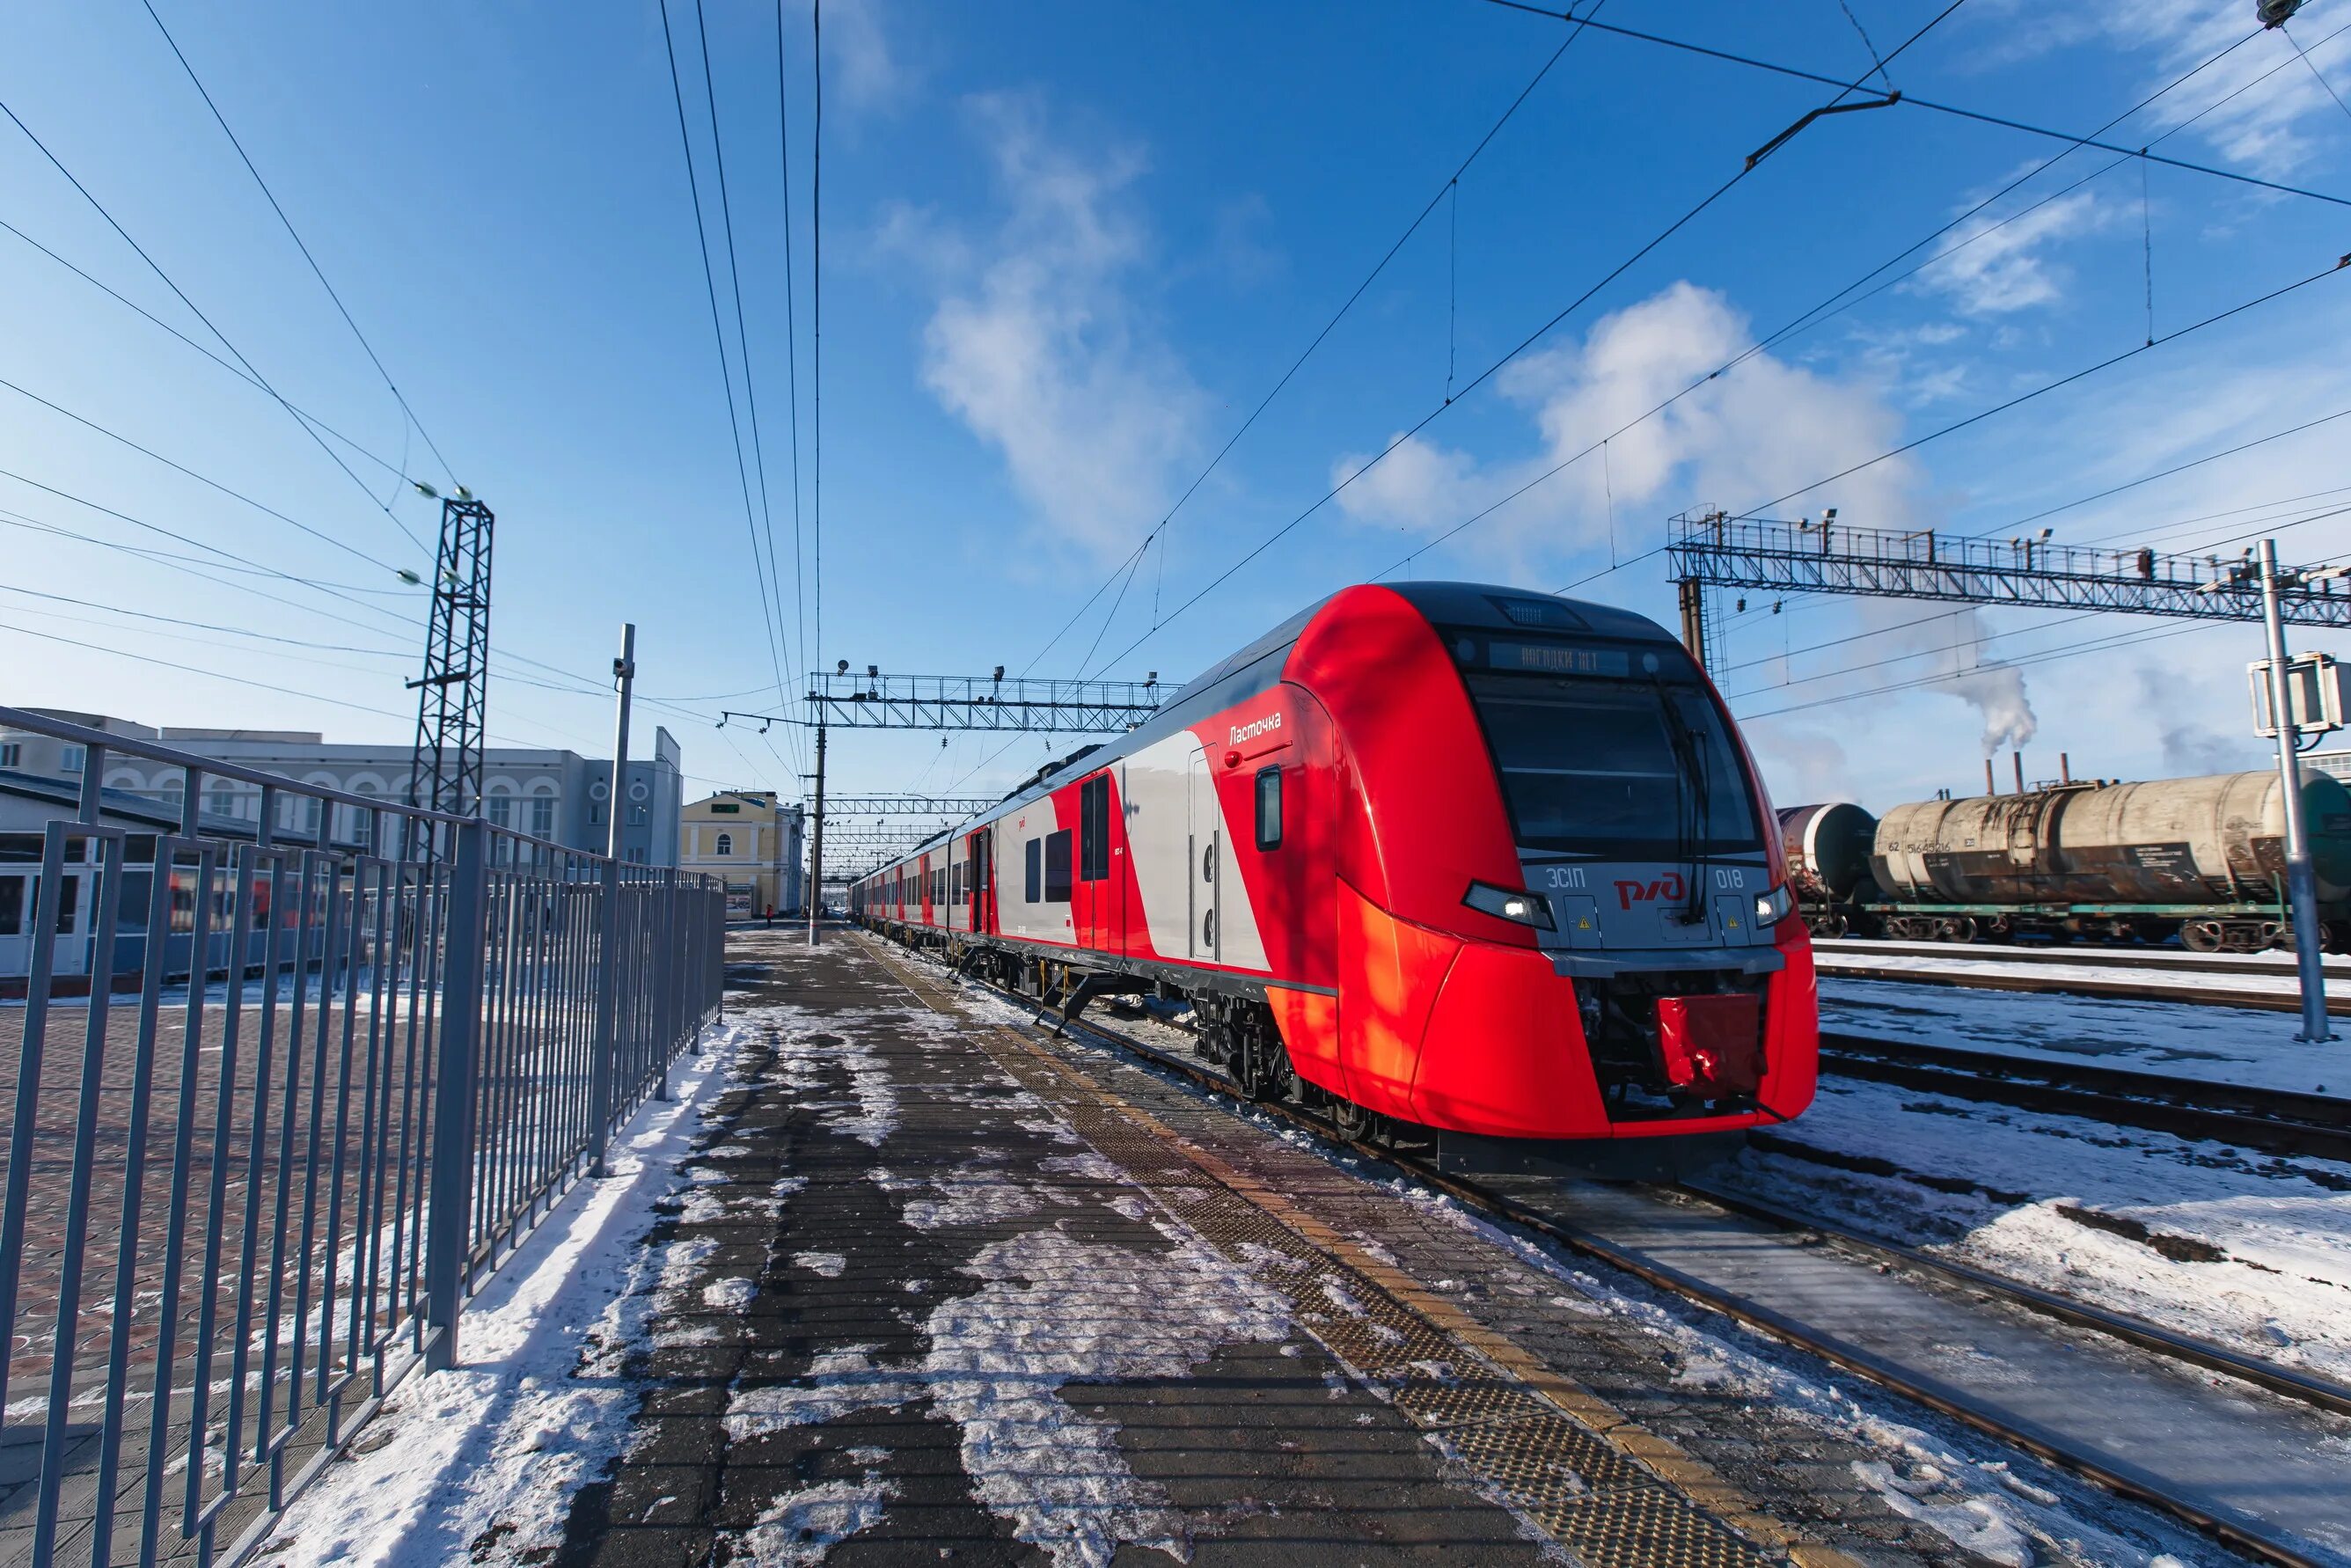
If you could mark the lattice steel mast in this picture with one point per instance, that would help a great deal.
(445, 768)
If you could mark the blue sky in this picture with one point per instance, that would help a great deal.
(1066, 250)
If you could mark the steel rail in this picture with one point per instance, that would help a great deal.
(2155, 961)
(1919, 1386)
(2074, 986)
(2310, 1388)
(2277, 1121)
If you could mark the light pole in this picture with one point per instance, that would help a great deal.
(2301, 875)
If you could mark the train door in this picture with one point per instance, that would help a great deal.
(983, 879)
(1096, 911)
(1206, 873)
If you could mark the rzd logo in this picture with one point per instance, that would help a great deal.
(1669, 886)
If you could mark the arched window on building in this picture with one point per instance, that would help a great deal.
(363, 821)
(726, 843)
(542, 810)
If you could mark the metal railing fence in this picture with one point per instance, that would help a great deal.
(245, 1199)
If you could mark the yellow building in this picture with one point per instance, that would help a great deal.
(750, 840)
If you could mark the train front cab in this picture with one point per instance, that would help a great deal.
(1545, 929)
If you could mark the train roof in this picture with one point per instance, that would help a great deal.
(1234, 676)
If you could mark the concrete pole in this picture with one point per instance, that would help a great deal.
(608, 920)
(816, 843)
(2301, 876)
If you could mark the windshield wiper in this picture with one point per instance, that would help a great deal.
(1695, 798)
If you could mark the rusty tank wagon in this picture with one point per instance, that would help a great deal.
(2202, 859)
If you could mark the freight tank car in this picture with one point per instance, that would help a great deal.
(1828, 849)
(2202, 859)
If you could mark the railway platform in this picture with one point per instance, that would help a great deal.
(915, 1279)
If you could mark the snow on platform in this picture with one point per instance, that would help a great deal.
(2244, 1046)
(892, 1283)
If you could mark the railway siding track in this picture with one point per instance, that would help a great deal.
(2160, 961)
(2274, 1121)
(2239, 1459)
(1833, 965)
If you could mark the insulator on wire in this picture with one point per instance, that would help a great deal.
(2275, 13)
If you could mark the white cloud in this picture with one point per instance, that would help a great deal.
(2263, 127)
(1992, 268)
(860, 66)
(1038, 342)
(1759, 430)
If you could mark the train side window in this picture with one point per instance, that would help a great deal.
(1036, 879)
(1057, 867)
(1269, 808)
(1093, 823)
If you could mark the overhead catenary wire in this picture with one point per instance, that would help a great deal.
(1445, 188)
(1495, 367)
(1833, 305)
(204, 479)
(770, 576)
(719, 335)
(320, 273)
(239, 372)
(816, 313)
(259, 380)
(2027, 396)
(791, 346)
(187, 623)
(1912, 102)
(2317, 74)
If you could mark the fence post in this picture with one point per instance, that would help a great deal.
(671, 982)
(445, 1240)
(608, 1006)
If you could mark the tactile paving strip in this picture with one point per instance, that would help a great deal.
(1643, 1529)
(1606, 1507)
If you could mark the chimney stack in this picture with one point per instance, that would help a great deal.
(1992, 784)
(2018, 757)
(2064, 768)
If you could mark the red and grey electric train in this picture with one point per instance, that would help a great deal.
(1437, 855)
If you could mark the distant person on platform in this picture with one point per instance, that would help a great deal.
(771, 915)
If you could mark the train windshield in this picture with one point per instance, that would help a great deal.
(1629, 768)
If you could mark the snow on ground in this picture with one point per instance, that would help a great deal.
(2249, 1249)
(801, 1528)
(2062, 956)
(1056, 1474)
(973, 1194)
(506, 1437)
(2246, 971)
(809, 1041)
(2184, 1039)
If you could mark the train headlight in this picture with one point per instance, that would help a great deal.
(1774, 906)
(1526, 908)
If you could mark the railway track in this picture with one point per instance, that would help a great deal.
(2170, 978)
(2156, 960)
(2089, 1392)
(2274, 1121)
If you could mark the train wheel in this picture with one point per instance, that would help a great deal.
(1354, 1122)
(1263, 1067)
(2202, 936)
